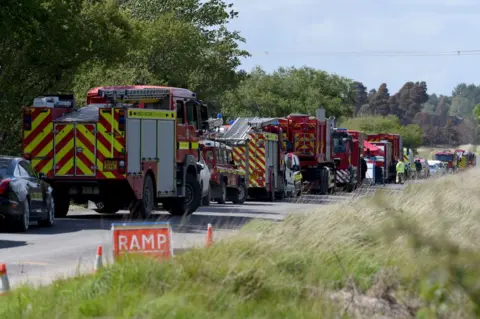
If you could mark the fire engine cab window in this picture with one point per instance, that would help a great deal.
(192, 113)
(180, 112)
(229, 156)
(339, 146)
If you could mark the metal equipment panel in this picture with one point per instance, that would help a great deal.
(133, 145)
(149, 139)
(166, 152)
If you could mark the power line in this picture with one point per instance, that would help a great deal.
(371, 53)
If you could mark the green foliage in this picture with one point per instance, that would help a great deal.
(289, 90)
(411, 134)
(54, 45)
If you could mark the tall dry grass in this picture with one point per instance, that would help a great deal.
(410, 254)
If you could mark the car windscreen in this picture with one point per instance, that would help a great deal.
(4, 165)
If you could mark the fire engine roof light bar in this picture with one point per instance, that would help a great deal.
(134, 94)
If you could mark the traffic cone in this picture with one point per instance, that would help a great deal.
(99, 258)
(4, 284)
(209, 235)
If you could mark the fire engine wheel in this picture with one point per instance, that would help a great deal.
(62, 204)
(241, 195)
(223, 196)
(143, 208)
(193, 194)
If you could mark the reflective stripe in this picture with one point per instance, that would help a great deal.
(151, 114)
(187, 145)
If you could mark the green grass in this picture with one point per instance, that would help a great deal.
(411, 255)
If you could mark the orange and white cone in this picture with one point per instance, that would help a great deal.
(4, 283)
(99, 258)
(209, 235)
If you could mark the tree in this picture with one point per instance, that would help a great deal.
(379, 103)
(289, 90)
(361, 96)
(42, 46)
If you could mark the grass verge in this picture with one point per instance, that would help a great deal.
(411, 255)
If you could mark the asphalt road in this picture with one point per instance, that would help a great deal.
(69, 247)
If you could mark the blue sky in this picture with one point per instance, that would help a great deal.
(299, 32)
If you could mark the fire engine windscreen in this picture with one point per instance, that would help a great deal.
(444, 157)
(339, 144)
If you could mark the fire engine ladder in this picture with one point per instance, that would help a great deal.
(134, 94)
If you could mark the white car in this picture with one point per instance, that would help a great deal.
(436, 167)
(205, 175)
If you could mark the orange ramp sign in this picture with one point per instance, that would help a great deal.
(150, 238)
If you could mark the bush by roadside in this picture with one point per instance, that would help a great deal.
(400, 255)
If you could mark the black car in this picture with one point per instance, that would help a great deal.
(24, 195)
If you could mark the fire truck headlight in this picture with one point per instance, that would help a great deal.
(121, 163)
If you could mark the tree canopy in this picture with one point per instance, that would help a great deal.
(70, 46)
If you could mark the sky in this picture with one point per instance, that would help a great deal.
(343, 37)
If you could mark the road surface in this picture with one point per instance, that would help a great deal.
(69, 247)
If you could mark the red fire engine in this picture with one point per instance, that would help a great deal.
(396, 154)
(130, 147)
(310, 138)
(227, 181)
(348, 147)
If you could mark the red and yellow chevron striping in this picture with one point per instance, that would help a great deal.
(38, 142)
(304, 143)
(64, 150)
(85, 150)
(256, 160)
(110, 142)
(239, 156)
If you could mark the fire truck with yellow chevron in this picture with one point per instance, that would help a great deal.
(258, 149)
(130, 147)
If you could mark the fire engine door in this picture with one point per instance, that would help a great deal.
(74, 150)
(271, 161)
(85, 149)
(64, 149)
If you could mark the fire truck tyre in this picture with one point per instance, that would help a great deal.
(223, 196)
(108, 208)
(143, 208)
(193, 194)
(62, 204)
(241, 194)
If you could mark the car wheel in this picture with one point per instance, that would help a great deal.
(241, 195)
(206, 199)
(23, 222)
(50, 220)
